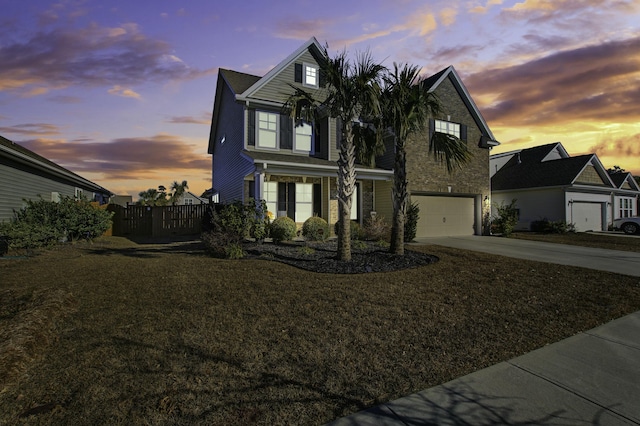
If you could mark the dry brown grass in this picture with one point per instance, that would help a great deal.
(164, 335)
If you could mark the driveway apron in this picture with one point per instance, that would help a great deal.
(622, 262)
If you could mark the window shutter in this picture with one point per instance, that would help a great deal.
(286, 132)
(251, 127)
(432, 128)
(463, 132)
(298, 73)
(317, 199)
(322, 137)
(322, 80)
(282, 197)
(291, 200)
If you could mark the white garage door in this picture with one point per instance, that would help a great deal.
(587, 216)
(444, 216)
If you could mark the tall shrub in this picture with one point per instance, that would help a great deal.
(506, 219)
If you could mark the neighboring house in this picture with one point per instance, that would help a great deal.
(259, 153)
(121, 200)
(189, 199)
(547, 183)
(26, 175)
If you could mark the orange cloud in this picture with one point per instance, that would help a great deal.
(124, 92)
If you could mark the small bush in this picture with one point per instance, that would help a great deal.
(411, 222)
(545, 226)
(376, 228)
(234, 251)
(359, 245)
(506, 219)
(283, 229)
(306, 251)
(43, 223)
(315, 229)
(356, 230)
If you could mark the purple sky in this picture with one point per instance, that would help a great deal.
(121, 92)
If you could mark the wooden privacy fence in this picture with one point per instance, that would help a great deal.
(159, 221)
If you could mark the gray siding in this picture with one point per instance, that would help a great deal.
(228, 167)
(18, 182)
(279, 88)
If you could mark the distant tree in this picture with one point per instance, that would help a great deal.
(616, 169)
(178, 190)
(160, 196)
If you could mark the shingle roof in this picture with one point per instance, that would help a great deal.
(618, 178)
(527, 170)
(20, 150)
(238, 81)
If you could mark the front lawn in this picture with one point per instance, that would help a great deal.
(160, 334)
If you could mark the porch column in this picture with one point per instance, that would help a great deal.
(258, 178)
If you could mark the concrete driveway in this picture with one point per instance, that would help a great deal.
(622, 262)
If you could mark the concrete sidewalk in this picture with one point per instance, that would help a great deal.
(622, 262)
(588, 379)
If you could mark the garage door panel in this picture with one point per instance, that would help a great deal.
(587, 216)
(445, 216)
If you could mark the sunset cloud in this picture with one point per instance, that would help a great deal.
(124, 92)
(204, 119)
(590, 83)
(89, 56)
(31, 129)
(628, 146)
(124, 158)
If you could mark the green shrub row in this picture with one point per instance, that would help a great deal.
(44, 223)
(546, 226)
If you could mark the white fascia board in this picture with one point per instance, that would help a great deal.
(602, 172)
(278, 68)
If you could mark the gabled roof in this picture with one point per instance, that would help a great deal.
(25, 156)
(311, 44)
(620, 178)
(530, 168)
(434, 81)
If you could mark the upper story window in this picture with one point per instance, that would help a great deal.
(447, 128)
(303, 138)
(310, 75)
(266, 130)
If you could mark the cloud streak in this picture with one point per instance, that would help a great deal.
(90, 56)
(595, 82)
(125, 158)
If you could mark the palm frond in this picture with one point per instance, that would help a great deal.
(449, 150)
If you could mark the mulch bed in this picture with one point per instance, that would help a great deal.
(321, 257)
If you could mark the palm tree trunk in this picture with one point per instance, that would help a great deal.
(400, 197)
(346, 185)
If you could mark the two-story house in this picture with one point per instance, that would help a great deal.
(259, 153)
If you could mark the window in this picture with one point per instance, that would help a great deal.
(447, 128)
(188, 201)
(267, 130)
(304, 201)
(270, 196)
(626, 207)
(303, 138)
(310, 75)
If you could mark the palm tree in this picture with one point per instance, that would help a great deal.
(352, 92)
(406, 107)
(148, 197)
(178, 190)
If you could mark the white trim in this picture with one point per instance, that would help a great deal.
(278, 68)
